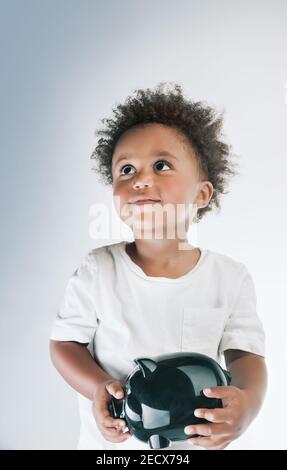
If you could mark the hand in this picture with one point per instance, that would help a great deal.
(111, 428)
(226, 424)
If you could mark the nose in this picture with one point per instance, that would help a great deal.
(141, 185)
(142, 182)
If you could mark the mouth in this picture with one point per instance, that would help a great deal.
(146, 201)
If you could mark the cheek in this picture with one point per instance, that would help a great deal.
(171, 188)
(177, 191)
(121, 191)
(120, 200)
(119, 197)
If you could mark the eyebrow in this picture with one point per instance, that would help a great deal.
(160, 153)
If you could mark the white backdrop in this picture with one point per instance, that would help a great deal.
(64, 65)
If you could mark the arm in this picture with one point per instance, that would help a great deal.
(76, 365)
(242, 400)
(249, 373)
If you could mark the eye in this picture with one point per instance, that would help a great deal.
(163, 162)
(125, 166)
(159, 162)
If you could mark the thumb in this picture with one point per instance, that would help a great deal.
(115, 389)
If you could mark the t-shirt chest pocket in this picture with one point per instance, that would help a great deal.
(202, 329)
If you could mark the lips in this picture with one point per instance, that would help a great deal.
(143, 200)
(146, 201)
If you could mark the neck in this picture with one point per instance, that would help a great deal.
(160, 252)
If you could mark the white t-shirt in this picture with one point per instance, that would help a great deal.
(110, 303)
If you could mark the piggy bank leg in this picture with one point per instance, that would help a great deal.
(158, 442)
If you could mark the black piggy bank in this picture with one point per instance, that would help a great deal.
(162, 393)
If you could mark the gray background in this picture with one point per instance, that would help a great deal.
(64, 65)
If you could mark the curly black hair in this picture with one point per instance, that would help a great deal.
(197, 121)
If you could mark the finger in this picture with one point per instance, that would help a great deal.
(110, 422)
(111, 431)
(101, 408)
(207, 442)
(114, 431)
(219, 392)
(115, 389)
(116, 438)
(102, 414)
(220, 446)
(214, 415)
(207, 429)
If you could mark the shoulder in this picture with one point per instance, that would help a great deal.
(90, 264)
(100, 255)
(225, 265)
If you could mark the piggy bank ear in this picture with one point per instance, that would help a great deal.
(147, 366)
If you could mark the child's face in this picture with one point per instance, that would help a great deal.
(143, 172)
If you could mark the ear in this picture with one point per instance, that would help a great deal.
(147, 366)
(204, 194)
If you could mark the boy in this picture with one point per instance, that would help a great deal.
(159, 295)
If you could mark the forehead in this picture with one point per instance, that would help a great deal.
(152, 137)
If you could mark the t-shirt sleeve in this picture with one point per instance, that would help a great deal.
(76, 318)
(244, 329)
